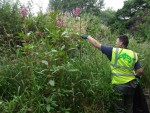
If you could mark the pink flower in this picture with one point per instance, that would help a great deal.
(76, 12)
(58, 23)
(57, 19)
(23, 12)
(63, 19)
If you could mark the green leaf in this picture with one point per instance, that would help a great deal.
(45, 62)
(67, 112)
(53, 51)
(30, 46)
(73, 70)
(63, 47)
(64, 33)
(48, 107)
(52, 82)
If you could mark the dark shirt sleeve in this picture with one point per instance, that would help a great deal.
(107, 50)
(137, 65)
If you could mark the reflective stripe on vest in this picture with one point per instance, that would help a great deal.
(122, 64)
(118, 74)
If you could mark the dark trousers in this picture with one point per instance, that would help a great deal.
(124, 104)
(130, 100)
(139, 100)
(124, 101)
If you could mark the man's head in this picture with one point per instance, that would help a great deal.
(122, 41)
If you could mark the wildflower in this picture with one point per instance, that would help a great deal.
(57, 19)
(62, 19)
(23, 12)
(76, 12)
(60, 22)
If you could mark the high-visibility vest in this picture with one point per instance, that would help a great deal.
(122, 65)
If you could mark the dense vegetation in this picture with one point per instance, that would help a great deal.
(45, 66)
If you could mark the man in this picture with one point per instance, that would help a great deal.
(124, 66)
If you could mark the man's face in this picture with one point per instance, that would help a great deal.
(118, 43)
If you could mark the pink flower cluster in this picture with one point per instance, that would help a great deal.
(76, 11)
(60, 22)
(23, 12)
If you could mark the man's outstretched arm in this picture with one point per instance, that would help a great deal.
(93, 41)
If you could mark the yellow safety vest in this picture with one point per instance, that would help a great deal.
(122, 65)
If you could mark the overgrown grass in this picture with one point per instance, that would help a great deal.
(77, 84)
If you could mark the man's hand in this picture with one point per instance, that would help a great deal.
(84, 36)
(139, 71)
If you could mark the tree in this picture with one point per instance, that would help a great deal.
(9, 18)
(89, 6)
(133, 16)
(108, 16)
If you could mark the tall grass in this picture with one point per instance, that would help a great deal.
(76, 85)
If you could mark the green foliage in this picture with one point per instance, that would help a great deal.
(96, 28)
(108, 17)
(143, 27)
(10, 24)
(88, 6)
(9, 13)
(133, 18)
(143, 54)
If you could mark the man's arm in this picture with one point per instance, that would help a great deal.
(139, 71)
(94, 42)
(138, 68)
(107, 50)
